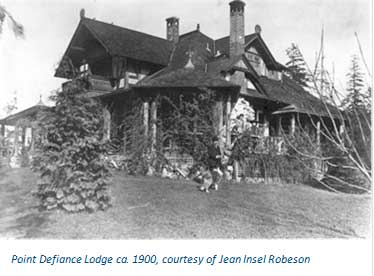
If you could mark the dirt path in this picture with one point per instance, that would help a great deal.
(19, 217)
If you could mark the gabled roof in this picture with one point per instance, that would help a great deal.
(129, 43)
(223, 45)
(297, 99)
(200, 45)
(119, 41)
(27, 116)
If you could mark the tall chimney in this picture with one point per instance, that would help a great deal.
(172, 29)
(237, 34)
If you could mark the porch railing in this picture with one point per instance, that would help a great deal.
(261, 142)
(269, 144)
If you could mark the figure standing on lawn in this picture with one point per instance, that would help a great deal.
(215, 162)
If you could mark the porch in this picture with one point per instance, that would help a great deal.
(18, 135)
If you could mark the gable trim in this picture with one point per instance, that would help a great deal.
(98, 39)
(264, 46)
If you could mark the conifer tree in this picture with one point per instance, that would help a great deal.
(357, 107)
(296, 66)
(355, 98)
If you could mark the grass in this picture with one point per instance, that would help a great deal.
(155, 208)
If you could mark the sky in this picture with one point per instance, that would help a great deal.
(27, 65)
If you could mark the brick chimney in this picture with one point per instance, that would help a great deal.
(237, 34)
(172, 29)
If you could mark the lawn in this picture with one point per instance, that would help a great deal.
(156, 208)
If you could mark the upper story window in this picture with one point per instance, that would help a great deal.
(84, 69)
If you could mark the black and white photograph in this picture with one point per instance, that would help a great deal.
(185, 120)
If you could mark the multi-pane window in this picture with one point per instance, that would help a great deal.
(84, 70)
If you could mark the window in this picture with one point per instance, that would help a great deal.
(84, 70)
(133, 78)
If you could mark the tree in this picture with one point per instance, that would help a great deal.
(357, 107)
(296, 66)
(355, 98)
(345, 153)
(74, 174)
(17, 28)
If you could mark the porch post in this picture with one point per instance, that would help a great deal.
(293, 124)
(2, 130)
(279, 125)
(16, 139)
(266, 125)
(32, 143)
(318, 132)
(2, 134)
(228, 122)
(23, 136)
(153, 124)
(107, 123)
(145, 117)
(220, 120)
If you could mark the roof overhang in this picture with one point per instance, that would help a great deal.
(269, 59)
(25, 117)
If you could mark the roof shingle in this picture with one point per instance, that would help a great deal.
(186, 77)
(129, 43)
(286, 91)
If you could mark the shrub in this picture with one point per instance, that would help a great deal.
(74, 176)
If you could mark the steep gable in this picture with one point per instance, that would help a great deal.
(129, 43)
(252, 40)
(196, 43)
(117, 41)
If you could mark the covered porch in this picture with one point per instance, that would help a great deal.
(18, 134)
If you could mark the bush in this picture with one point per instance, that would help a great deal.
(266, 162)
(69, 157)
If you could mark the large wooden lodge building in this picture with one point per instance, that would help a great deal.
(239, 68)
